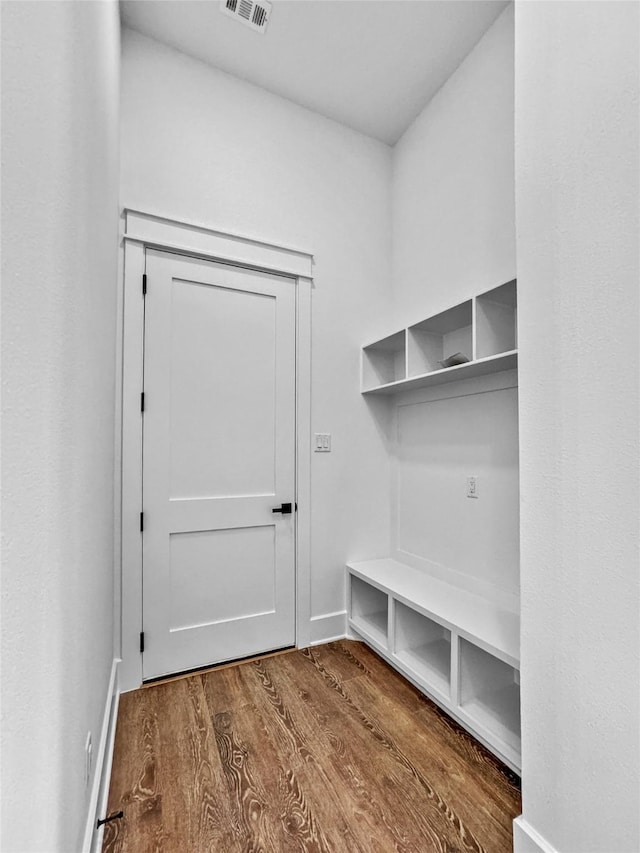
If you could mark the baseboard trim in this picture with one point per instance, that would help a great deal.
(104, 756)
(527, 840)
(327, 627)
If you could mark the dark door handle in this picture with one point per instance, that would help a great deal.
(285, 509)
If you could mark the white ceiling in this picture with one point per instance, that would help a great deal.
(369, 64)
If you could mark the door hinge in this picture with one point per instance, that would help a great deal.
(144, 284)
(141, 522)
(141, 642)
(142, 401)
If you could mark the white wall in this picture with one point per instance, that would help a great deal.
(442, 439)
(200, 145)
(453, 185)
(454, 236)
(60, 70)
(577, 160)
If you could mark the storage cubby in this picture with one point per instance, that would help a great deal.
(496, 322)
(423, 646)
(369, 610)
(484, 329)
(439, 337)
(384, 361)
(490, 693)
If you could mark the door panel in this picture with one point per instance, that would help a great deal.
(248, 590)
(219, 431)
(242, 385)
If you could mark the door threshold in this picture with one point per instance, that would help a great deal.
(203, 670)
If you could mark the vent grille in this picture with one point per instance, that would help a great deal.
(259, 15)
(251, 13)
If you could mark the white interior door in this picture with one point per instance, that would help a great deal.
(218, 458)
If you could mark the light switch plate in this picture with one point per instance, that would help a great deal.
(322, 442)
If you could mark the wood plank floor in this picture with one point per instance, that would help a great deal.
(326, 750)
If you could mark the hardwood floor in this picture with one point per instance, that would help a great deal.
(326, 750)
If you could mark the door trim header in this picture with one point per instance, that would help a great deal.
(155, 231)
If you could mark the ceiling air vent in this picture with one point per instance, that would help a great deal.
(251, 13)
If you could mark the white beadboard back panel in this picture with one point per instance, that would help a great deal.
(440, 443)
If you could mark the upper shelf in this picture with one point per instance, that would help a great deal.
(479, 367)
(484, 329)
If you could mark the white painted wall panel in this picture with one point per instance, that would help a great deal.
(577, 158)
(453, 222)
(60, 70)
(440, 444)
(202, 146)
(453, 185)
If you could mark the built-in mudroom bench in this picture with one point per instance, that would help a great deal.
(459, 648)
(443, 608)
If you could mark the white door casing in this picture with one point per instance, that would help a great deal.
(143, 231)
(218, 458)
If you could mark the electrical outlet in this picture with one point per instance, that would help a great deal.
(472, 487)
(88, 760)
(322, 442)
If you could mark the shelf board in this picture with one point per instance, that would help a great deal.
(431, 662)
(392, 343)
(447, 321)
(469, 370)
(484, 623)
